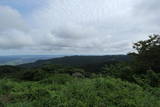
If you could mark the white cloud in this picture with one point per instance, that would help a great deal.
(82, 25)
(10, 19)
(14, 39)
(79, 26)
(13, 29)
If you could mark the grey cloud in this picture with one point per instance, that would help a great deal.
(149, 6)
(149, 11)
(14, 39)
(13, 29)
(82, 26)
(75, 28)
(11, 19)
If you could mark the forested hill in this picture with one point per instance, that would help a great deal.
(80, 60)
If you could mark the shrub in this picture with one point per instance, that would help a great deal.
(77, 92)
(57, 79)
(121, 70)
(106, 92)
(33, 75)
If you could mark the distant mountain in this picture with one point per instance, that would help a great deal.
(86, 62)
(22, 59)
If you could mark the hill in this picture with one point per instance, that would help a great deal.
(89, 63)
(79, 60)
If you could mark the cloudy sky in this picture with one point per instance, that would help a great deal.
(75, 26)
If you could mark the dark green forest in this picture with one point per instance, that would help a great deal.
(131, 80)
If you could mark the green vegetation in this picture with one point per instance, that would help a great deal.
(63, 90)
(133, 82)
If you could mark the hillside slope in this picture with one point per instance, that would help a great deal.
(79, 60)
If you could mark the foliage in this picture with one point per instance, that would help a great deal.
(97, 92)
(148, 54)
(149, 79)
(121, 70)
(32, 75)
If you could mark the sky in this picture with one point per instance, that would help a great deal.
(94, 27)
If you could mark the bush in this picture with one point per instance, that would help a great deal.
(106, 92)
(33, 75)
(57, 79)
(149, 79)
(120, 70)
(65, 91)
(5, 86)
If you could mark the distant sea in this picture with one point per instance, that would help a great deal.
(22, 59)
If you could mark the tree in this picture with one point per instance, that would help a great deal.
(147, 53)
